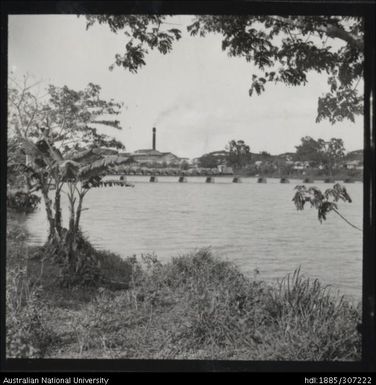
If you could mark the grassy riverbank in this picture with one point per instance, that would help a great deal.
(194, 307)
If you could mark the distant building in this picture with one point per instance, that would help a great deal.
(354, 165)
(287, 156)
(211, 159)
(355, 155)
(153, 156)
(223, 169)
(195, 162)
(301, 165)
(220, 154)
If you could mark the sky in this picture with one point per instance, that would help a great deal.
(196, 96)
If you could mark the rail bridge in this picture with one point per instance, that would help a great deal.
(181, 177)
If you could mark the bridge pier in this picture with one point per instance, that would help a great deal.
(329, 180)
(153, 179)
(308, 180)
(284, 180)
(182, 179)
(237, 179)
(261, 180)
(210, 179)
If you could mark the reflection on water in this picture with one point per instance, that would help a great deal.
(254, 225)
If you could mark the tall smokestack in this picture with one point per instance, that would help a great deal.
(154, 130)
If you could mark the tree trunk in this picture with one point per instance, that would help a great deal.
(78, 213)
(72, 201)
(57, 206)
(50, 216)
(78, 261)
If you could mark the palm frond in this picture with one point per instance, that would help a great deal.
(89, 155)
(99, 167)
(69, 169)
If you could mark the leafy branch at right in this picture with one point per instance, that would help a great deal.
(323, 202)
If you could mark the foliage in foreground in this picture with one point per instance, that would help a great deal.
(197, 307)
(28, 334)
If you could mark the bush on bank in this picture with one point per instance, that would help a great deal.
(22, 201)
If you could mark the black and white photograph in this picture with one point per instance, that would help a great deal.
(185, 187)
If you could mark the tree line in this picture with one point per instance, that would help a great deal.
(328, 155)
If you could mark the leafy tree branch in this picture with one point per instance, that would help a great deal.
(325, 202)
(330, 30)
(285, 49)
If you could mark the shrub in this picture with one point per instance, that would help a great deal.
(21, 201)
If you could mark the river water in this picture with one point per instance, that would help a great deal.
(254, 225)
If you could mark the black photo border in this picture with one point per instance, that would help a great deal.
(364, 9)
